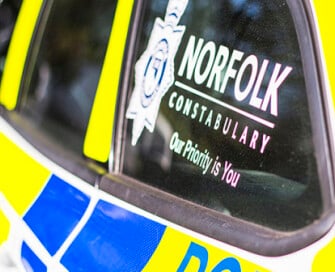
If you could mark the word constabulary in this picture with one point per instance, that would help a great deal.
(231, 128)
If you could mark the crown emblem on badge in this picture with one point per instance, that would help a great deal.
(154, 71)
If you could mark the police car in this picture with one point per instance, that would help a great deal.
(173, 135)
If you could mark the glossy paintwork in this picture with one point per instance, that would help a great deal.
(58, 222)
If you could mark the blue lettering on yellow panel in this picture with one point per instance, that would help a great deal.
(230, 264)
(195, 251)
(201, 254)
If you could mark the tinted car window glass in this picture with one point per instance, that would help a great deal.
(8, 13)
(66, 71)
(218, 111)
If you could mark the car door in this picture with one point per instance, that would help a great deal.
(166, 136)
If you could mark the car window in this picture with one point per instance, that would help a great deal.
(218, 111)
(8, 13)
(64, 68)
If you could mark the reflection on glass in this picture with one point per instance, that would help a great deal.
(8, 14)
(234, 131)
(67, 69)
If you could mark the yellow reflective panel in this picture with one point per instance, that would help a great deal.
(99, 133)
(180, 252)
(326, 20)
(17, 53)
(21, 180)
(324, 260)
(4, 227)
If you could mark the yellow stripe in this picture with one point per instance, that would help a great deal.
(17, 53)
(4, 228)
(172, 250)
(326, 20)
(325, 258)
(21, 180)
(99, 133)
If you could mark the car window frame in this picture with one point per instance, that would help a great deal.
(226, 229)
(87, 169)
(237, 232)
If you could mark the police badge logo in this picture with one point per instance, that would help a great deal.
(154, 71)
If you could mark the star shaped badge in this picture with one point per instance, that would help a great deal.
(154, 71)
